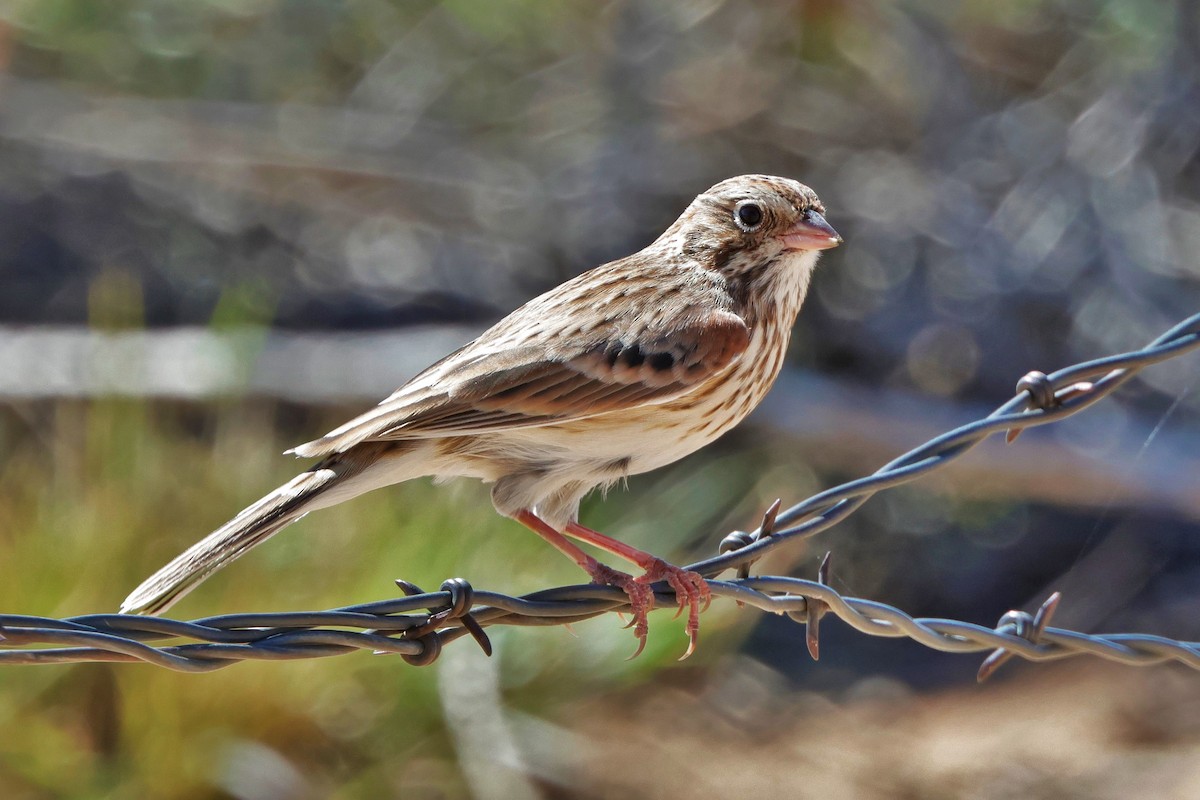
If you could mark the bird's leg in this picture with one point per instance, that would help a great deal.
(690, 587)
(641, 597)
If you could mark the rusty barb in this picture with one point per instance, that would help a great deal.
(419, 624)
(1022, 625)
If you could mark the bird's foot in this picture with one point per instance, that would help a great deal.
(690, 591)
(641, 598)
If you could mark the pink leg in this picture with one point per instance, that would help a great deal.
(690, 587)
(641, 598)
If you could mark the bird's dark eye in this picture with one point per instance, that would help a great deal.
(749, 215)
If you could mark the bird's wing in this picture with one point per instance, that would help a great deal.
(477, 390)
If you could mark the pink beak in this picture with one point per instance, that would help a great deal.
(812, 232)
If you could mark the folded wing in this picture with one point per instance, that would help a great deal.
(474, 391)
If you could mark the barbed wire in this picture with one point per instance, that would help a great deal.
(1040, 400)
(418, 625)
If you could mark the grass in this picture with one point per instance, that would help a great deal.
(96, 495)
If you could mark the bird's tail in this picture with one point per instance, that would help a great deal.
(253, 525)
(329, 482)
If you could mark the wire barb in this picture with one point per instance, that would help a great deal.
(419, 624)
(462, 599)
(1021, 624)
(1043, 397)
(825, 509)
(814, 609)
(740, 539)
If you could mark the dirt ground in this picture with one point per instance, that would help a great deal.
(1083, 730)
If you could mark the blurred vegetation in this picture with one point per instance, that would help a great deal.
(97, 492)
(1018, 184)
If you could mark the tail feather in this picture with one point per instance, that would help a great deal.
(255, 524)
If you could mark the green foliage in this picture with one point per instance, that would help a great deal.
(97, 495)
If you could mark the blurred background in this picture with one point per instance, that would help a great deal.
(226, 225)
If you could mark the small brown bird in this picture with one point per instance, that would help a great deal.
(625, 368)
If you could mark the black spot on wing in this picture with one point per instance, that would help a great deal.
(662, 361)
(629, 355)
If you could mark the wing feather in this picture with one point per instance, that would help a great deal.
(533, 385)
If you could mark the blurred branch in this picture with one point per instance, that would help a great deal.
(244, 148)
(416, 627)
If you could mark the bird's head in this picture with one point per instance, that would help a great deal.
(744, 223)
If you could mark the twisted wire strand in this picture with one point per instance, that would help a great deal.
(1068, 394)
(225, 640)
(416, 627)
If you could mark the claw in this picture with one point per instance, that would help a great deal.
(690, 591)
(641, 646)
(690, 588)
(692, 639)
(641, 599)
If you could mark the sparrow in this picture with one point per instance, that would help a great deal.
(623, 369)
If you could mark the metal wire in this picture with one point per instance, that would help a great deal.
(1040, 399)
(418, 625)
